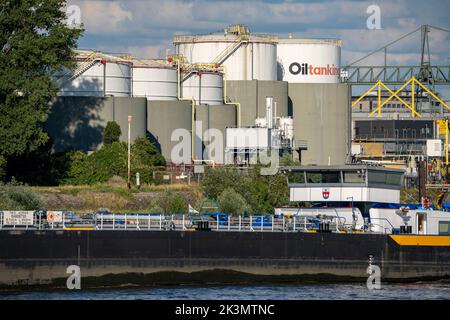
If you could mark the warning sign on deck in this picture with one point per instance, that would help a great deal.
(18, 218)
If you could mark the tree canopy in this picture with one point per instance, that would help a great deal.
(261, 193)
(35, 43)
(112, 132)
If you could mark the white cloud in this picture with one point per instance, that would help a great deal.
(103, 17)
(146, 28)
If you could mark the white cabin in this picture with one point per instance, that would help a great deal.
(421, 222)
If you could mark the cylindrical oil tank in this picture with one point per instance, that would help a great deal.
(137, 109)
(97, 76)
(210, 133)
(322, 120)
(155, 80)
(169, 124)
(204, 87)
(309, 60)
(254, 58)
(78, 122)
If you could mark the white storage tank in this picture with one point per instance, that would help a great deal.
(97, 75)
(205, 87)
(309, 60)
(252, 57)
(155, 80)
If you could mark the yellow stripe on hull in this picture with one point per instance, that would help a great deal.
(80, 229)
(414, 240)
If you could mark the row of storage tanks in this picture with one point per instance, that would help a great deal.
(303, 73)
(258, 58)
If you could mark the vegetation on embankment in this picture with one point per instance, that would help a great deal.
(155, 198)
(118, 198)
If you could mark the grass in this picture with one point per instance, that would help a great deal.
(117, 198)
(107, 188)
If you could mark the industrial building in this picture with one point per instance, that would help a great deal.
(285, 92)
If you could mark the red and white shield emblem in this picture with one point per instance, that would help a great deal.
(325, 193)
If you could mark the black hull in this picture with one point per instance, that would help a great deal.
(113, 258)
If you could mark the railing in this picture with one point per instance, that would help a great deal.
(179, 222)
(392, 74)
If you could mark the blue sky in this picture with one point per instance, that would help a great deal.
(145, 28)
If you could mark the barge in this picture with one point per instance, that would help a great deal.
(334, 240)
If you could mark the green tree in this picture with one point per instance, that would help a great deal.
(232, 202)
(145, 153)
(262, 193)
(100, 166)
(270, 191)
(218, 179)
(35, 43)
(112, 133)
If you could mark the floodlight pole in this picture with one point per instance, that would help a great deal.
(129, 152)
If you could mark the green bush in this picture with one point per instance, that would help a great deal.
(217, 180)
(144, 158)
(16, 196)
(171, 202)
(112, 133)
(232, 202)
(262, 193)
(112, 160)
(100, 166)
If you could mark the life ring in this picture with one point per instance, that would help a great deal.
(50, 217)
(426, 203)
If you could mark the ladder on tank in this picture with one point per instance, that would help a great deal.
(85, 67)
(225, 54)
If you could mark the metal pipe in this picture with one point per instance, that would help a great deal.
(192, 112)
(446, 142)
(237, 104)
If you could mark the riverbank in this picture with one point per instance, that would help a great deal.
(113, 197)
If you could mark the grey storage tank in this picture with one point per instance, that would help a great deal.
(321, 115)
(163, 118)
(213, 117)
(78, 122)
(252, 96)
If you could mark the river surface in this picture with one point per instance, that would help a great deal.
(423, 291)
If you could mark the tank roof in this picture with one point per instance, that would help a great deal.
(262, 38)
(335, 42)
(152, 63)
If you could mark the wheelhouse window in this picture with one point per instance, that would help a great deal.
(444, 228)
(354, 177)
(296, 177)
(387, 178)
(323, 177)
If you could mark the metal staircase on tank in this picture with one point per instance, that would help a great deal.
(243, 36)
(85, 67)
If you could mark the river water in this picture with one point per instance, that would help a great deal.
(421, 291)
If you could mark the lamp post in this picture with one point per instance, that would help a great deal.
(129, 152)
